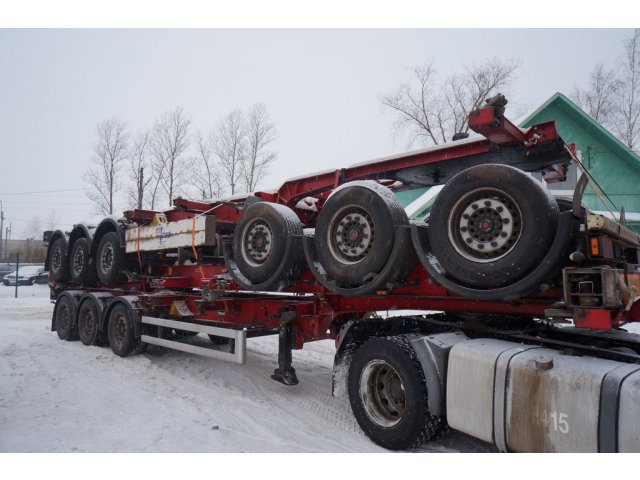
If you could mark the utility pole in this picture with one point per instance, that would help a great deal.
(6, 237)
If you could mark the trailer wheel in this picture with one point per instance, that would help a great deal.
(388, 394)
(58, 264)
(355, 231)
(89, 324)
(121, 332)
(491, 225)
(81, 269)
(65, 319)
(110, 259)
(260, 239)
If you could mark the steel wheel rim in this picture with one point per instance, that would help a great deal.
(382, 393)
(485, 225)
(64, 319)
(56, 260)
(78, 261)
(257, 242)
(87, 324)
(351, 235)
(120, 329)
(106, 259)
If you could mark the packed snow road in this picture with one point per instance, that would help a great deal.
(60, 396)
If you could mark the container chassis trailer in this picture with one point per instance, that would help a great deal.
(517, 299)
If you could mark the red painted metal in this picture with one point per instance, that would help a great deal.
(213, 299)
(593, 319)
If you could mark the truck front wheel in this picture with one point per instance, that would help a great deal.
(388, 394)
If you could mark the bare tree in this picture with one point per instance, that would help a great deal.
(432, 110)
(612, 97)
(169, 143)
(261, 133)
(109, 151)
(599, 98)
(52, 222)
(205, 173)
(627, 122)
(139, 158)
(229, 145)
(34, 228)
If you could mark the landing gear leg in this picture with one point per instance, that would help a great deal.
(285, 373)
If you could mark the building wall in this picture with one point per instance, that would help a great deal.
(618, 177)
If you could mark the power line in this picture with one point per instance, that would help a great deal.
(43, 191)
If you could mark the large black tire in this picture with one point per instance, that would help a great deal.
(122, 337)
(65, 319)
(110, 259)
(491, 225)
(388, 394)
(88, 320)
(260, 240)
(82, 268)
(355, 231)
(58, 262)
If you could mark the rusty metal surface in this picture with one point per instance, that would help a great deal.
(553, 402)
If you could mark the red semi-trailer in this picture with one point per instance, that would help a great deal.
(528, 352)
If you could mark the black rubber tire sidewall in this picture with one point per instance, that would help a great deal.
(127, 345)
(65, 330)
(114, 274)
(280, 228)
(385, 214)
(61, 274)
(539, 217)
(93, 337)
(87, 274)
(411, 430)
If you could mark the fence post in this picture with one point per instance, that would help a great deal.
(17, 268)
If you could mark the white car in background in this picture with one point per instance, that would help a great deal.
(29, 275)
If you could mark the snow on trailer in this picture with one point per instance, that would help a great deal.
(504, 260)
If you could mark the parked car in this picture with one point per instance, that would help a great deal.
(6, 268)
(29, 275)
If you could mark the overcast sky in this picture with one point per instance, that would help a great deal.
(321, 87)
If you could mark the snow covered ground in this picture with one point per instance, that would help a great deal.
(60, 396)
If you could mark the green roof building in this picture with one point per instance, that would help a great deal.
(613, 165)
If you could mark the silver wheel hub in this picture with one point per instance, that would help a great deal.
(258, 242)
(352, 236)
(484, 226)
(56, 261)
(382, 393)
(106, 261)
(78, 261)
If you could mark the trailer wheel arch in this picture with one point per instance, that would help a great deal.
(107, 225)
(131, 303)
(80, 230)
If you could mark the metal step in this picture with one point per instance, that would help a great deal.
(240, 336)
